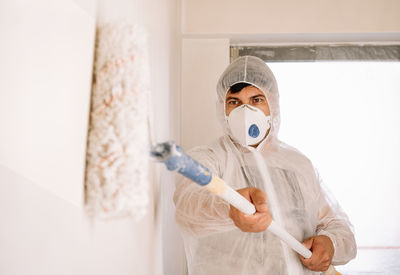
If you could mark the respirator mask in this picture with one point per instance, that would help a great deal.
(248, 124)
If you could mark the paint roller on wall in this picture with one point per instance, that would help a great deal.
(117, 180)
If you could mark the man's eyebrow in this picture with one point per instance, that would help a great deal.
(258, 96)
(231, 97)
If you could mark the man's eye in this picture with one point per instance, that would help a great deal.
(233, 102)
(259, 100)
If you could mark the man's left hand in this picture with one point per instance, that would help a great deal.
(322, 253)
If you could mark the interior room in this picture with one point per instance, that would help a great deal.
(66, 208)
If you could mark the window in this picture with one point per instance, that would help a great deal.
(340, 106)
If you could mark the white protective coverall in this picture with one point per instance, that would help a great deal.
(213, 244)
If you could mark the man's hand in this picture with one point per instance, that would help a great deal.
(259, 221)
(322, 253)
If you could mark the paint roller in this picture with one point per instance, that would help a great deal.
(175, 159)
(118, 117)
(117, 180)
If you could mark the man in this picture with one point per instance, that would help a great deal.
(276, 178)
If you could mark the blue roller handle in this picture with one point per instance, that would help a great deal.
(176, 160)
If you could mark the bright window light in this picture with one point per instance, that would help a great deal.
(345, 116)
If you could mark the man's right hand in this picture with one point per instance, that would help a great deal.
(259, 221)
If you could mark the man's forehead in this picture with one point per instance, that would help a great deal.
(247, 92)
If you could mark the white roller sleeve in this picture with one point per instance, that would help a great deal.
(117, 180)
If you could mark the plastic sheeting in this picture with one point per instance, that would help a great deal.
(303, 207)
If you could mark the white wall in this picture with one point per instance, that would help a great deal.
(41, 234)
(290, 16)
(46, 53)
(45, 79)
(203, 61)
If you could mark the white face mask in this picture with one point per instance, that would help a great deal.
(248, 124)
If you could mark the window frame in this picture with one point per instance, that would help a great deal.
(313, 53)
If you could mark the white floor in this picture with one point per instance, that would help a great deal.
(373, 261)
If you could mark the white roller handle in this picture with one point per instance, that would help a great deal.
(221, 189)
(233, 197)
(289, 240)
(185, 165)
(238, 201)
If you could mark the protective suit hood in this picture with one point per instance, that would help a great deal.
(252, 70)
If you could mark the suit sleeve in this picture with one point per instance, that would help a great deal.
(198, 211)
(334, 223)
